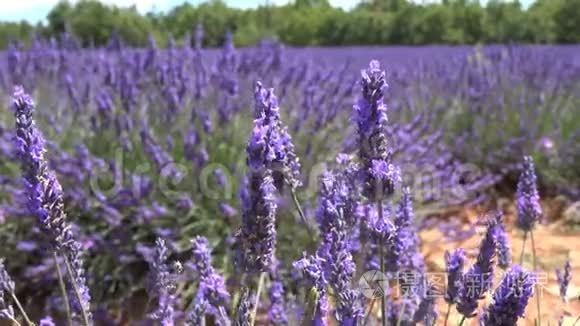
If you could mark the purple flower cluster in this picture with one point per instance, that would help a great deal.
(277, 313)
(44, 196)
(357, 221)
(454, 263)
(335, 216)
(504, 251)
(564, 277)
(510, 298)
(280, 154)
(311, 269)
(162, 285)
(244, 309)
(378, 172)
(426, 311)
(479, 278)
(256, 238)
(6, 288)
(212, 294)
(528, 198)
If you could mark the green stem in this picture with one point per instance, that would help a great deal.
(462, 321)
(75, 286)
(258, 292)
(447, 314)
(523, 248)
(535, 263)
(382, 262)
(63, 290)
(300, 211)
(17, 302)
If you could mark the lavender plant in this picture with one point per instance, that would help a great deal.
(564, 277)
(177, 116)
(510, 298)
(529, 212)
(45, 200)
(454, 263)
(478, 279)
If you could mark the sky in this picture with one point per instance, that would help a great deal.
(36, 10)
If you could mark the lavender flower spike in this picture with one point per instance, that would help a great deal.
(162, 285)
(256, 238)
(335, 214)
(6, 287)
(504, 252)
(244, 310)
(282, 158)
(277, 314)
(510, 298)
(197, 314)
(478, 280)
(212, 292)
(44, 197)
(454, 263)
(311, 270)
(528, 199)
(379, 174)
(564, 278)
(427, 311)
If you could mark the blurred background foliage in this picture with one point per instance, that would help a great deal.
(315, 23)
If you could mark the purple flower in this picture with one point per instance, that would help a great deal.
(454, 263)
(479, 278)
(406, 252)
(47, 321)
(342, 268)
(311, 270)
(378, 173)
(244, 309)
(426, 311)
(6, 287)
(256, 238)
(528, 199)
(385, 176)
(335, 216)
(44, 195)
(504, 252)
(277, 314)
(510, 298)
(212, 287)
(197, 314)
(405, 214)
(280, 156)
(162, 284)
(227, 210)
(564, 278)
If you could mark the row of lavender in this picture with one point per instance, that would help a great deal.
(150, 143)
(352, 223)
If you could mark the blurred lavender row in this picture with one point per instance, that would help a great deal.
(153, 144)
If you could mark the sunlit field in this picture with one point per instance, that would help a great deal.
(289, 186)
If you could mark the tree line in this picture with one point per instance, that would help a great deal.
(313, 23)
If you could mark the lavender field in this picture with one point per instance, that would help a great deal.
(289, 186)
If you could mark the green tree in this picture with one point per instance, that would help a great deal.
(567, 17)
